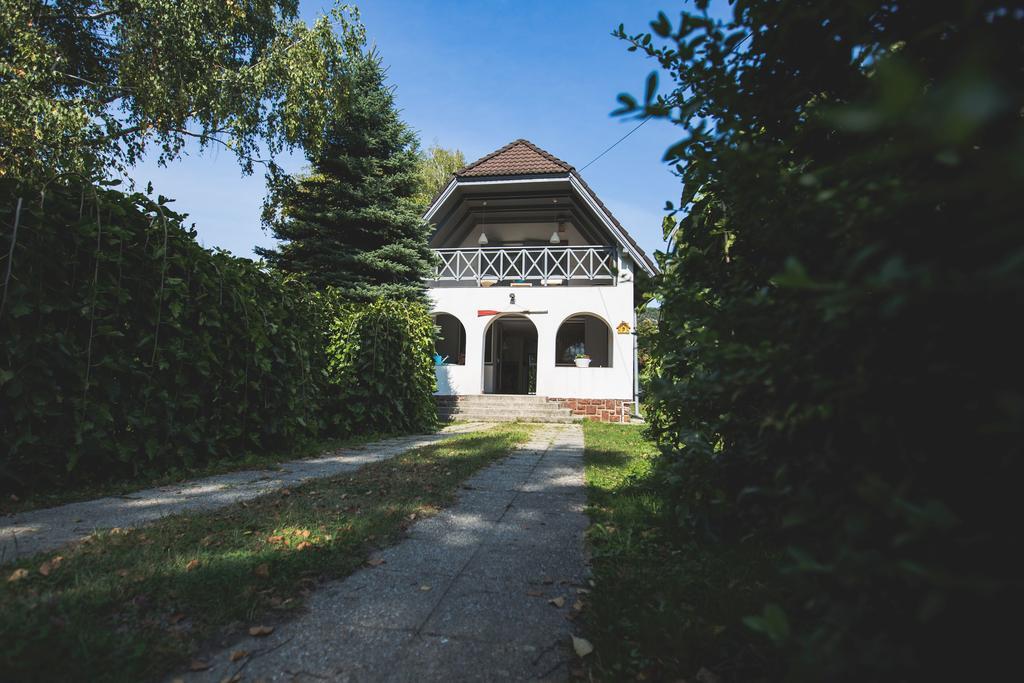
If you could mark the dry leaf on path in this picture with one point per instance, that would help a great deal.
(582, 646)
(376, 561)
(192, 564)
(261, 630)
(424, 587)
(199, 665)
(238, 654)
(557, 602)
(535, 594)
(577, 606)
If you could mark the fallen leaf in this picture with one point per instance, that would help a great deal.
(304, 545)
(304, 533)
(199, 665)
(50, 565)
(275, 539)
(582, 646)
(17, 575)
(122, 573)
(261, 630)
(424, 588)
(192, 564)
(558, 602)
(231, 679)
(262, 570)
(534, 594)
(285, 492)
(238, 654)
(376, 561)
(577, 606)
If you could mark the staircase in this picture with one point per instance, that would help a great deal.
(501, 408)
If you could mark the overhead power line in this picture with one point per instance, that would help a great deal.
(616, 143)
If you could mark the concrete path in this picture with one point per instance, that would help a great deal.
(483, 591)
(36, 531)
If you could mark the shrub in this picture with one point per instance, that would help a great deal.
(381, 368)
(839, 373)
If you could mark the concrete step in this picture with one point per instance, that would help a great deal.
(506, 417)
(488, 415)
(490, 399)
(501, 408)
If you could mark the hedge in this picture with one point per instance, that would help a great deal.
(126, 347)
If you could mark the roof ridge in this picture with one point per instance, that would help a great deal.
(518, 141)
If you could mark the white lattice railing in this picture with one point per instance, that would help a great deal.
(543, 265)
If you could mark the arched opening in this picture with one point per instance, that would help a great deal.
(450, 342)
(510, 356)
(584, 334)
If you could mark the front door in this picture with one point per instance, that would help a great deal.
(515, 356)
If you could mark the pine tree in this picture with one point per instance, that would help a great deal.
(353, 222)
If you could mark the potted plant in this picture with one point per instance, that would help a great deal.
(582, 360)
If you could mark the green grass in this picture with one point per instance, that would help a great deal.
(133, 605)
(664, 604)
(144, 480)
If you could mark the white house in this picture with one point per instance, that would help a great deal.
(533, 271)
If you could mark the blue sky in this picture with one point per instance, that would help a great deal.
(477, 75)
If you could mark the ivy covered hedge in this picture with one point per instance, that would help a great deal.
(126, 347)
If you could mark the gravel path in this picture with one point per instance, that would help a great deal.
(36, 531)
(483, 591)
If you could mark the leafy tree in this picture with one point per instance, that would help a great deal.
(838, 351)
(89, 84)
(353, 223)
(437, 166)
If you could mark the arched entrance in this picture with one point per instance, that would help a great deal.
(510, 356)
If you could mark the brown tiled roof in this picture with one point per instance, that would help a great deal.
(520, 157)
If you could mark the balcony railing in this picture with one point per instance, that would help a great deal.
(527, 265)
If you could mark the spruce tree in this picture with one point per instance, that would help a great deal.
(353, 222)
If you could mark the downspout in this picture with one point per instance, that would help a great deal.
(636, 368)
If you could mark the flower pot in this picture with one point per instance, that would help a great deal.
(583, 362)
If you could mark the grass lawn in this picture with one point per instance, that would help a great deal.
(664, 605)
(134, 605)
(263, 460)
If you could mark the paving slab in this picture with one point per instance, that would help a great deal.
(465, 597)
(27, 533)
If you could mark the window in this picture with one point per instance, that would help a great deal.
(450, 343)
(584, 334)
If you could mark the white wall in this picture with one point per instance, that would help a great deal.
(612, 304)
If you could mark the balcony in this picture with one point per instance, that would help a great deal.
(526, 266)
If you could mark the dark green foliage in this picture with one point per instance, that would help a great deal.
(353, 222)
(839, 350)
(127, 348)
(381, 367)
